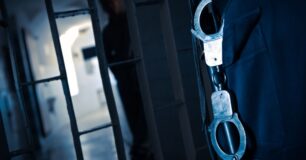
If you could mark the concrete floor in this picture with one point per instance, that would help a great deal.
(95, 145)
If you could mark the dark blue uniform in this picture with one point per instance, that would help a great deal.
(264, 54)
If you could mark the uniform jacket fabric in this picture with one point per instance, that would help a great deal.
(264, 55)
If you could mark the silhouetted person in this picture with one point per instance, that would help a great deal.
(117, 47)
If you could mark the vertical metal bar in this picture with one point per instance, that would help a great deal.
(229, 139)
(30, 78)
(65, 85)
(16, 75)
(4, 148)
(106, 81)
(27, 98)
(143, 78)
(176, 80)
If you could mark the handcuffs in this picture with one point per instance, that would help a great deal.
(221, 99)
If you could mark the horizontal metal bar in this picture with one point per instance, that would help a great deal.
(169, 106)
(199, 149)
(96, 128)
(71, 13)
(124, 62)
(20, 152)
(147, 3)
(42, 81)
(189, 50)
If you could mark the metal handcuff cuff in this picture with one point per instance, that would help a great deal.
(221, 99)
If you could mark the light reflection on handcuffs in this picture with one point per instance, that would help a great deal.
(221, 99)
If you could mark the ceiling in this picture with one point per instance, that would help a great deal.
(32, 15)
